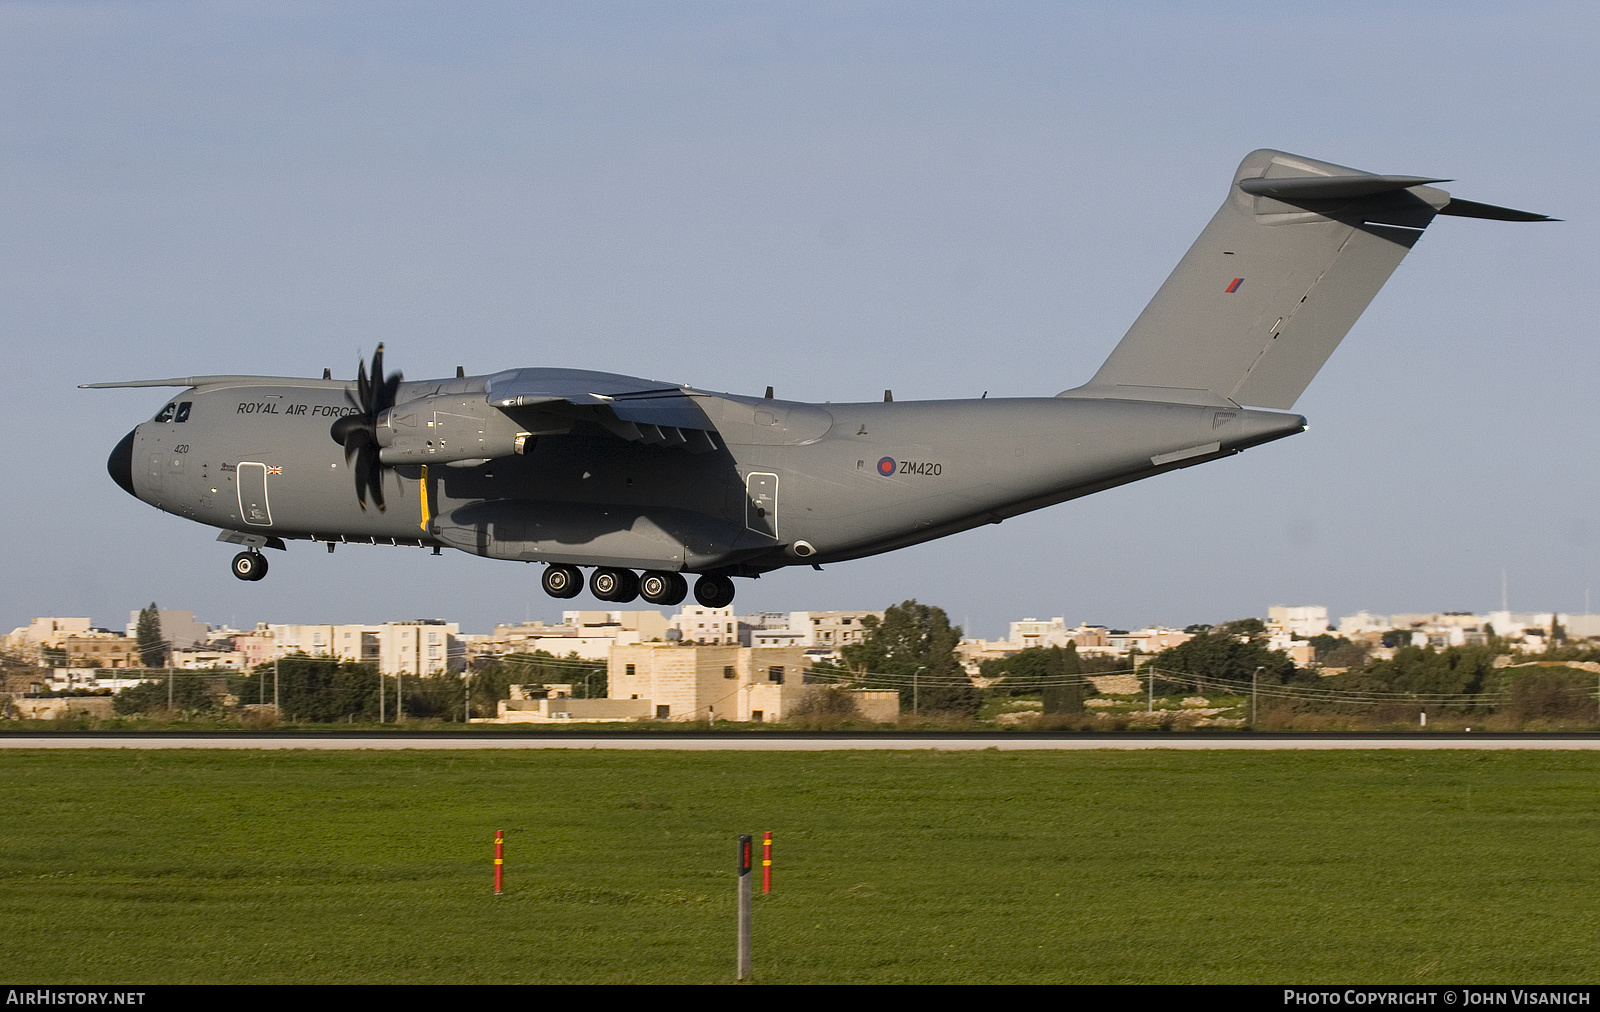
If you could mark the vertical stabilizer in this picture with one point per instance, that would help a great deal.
(1272, 285)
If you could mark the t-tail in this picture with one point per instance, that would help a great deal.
(1276, 280)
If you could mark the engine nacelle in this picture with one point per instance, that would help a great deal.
(445, 428)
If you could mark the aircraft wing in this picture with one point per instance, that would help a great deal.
(640, 410)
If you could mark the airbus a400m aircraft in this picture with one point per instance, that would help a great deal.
(647, 481)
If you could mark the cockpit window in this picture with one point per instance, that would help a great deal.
(166, 413)
(183, 411)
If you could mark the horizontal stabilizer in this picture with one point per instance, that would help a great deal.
(1291, 188)
(1472, 209)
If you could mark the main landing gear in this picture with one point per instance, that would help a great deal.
(620, 586)
(250, 566)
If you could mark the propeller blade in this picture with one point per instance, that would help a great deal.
(358, 433)
(363, 389)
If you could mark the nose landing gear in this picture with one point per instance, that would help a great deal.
(250, 566)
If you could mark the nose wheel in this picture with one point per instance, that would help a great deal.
(250, 566)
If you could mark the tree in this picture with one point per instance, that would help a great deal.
(913, 649)
(1050, 671)
(491, 680)
(152, 649)
(316, 688)
(190, 691)
(1232, 652)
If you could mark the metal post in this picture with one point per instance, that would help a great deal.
(277, 700)
(1253, 676)
(499, 860)
(383, 694)
(766, 863)
(744, 906)
(399, 706)
(169, 688)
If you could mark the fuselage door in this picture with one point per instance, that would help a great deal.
(253, 507)
(761, 506)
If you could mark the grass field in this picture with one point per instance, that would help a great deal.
(349, 867)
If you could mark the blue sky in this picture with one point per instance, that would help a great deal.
(832, 199)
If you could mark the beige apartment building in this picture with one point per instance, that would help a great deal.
(102, 650)
(831, 630)
(723, 682)
(416, 647)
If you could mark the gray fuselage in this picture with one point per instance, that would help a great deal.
(788, 483)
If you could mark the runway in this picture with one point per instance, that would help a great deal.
(703, 742)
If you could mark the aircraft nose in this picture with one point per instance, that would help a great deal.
(120, 463)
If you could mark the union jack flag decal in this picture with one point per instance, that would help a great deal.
(274, 470)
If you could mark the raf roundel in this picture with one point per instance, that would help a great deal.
(886, 466)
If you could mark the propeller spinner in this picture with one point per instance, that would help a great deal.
(358, 433)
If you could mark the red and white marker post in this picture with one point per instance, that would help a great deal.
(499, 860)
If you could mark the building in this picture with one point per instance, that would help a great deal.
(356, 643)
(589, 634)
(1089, 640)
(414, 647)
(553, 704)
(831, 630)
(29, 641)
(101, 649)
(424, 646)
(724, 682)
(204, 660)
(714, 626)
(1299, 621)
(179, 630)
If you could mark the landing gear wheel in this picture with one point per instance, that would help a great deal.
(663, 588)
(713, 591)
(562, 581)
(617, 585)
(250, 566)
